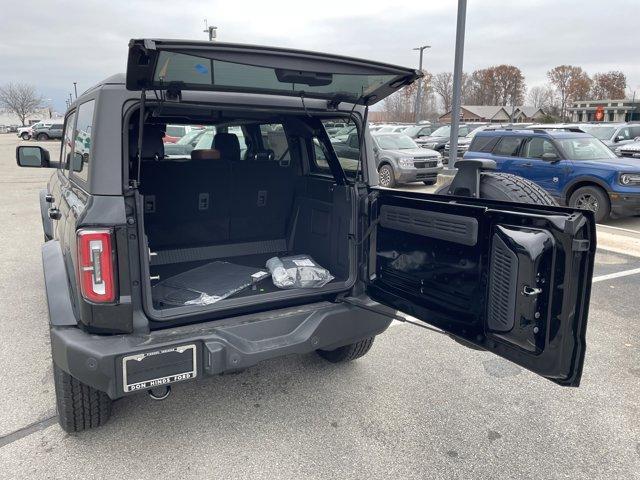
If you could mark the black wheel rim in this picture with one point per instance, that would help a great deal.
(586, 201)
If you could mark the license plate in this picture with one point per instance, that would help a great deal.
(159, 367)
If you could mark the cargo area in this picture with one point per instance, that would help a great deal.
(241, 192)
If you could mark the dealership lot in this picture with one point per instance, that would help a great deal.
(417, 406)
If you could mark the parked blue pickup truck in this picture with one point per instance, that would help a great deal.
(575, 168)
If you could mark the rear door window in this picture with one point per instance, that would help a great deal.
(536, 147)
(483, 143)
(508, 146)
(67, 147)
(82, 141)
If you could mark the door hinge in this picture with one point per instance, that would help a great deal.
(580, 245)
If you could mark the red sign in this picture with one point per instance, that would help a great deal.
(599, 113)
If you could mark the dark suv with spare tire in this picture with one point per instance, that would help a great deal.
(261, 243)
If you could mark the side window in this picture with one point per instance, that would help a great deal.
(319, 162)
(508, 146)
(274, 138)
(483, 144)
(536, 147)
(67, 138)
(625, 133)
(353, 141)
(82, 141)
(635, 131)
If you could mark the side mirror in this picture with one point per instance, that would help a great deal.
(618, 138)
(32, 156)
(550, 157)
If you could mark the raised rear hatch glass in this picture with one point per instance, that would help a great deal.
(187, 65)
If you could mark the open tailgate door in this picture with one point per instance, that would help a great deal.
(513, 279)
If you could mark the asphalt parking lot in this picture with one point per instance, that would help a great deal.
(417, 406)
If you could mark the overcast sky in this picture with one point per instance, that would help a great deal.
(51, 44)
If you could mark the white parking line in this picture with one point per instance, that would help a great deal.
(618, 228)
(609, 276)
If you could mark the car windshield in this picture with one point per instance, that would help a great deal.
(345, 130)
(600, 132)
(395, 142)
(473, 132)
(443, 131)
(189, 137)
(412, 131)
(585, 148)
(175, 130)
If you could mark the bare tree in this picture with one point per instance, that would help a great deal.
(571, 83)
(541, 97)
(21, 99)
(443, 86)
(610, 85)
(400, 107)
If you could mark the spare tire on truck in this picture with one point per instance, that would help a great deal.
(507, 187)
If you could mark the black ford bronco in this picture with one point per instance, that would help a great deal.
(148, 257)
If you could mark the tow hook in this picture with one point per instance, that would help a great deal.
(160, 393)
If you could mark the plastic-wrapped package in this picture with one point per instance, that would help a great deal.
(206, 284)
(297, 271)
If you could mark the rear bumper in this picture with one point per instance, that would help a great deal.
(624, 204)
(220, 345)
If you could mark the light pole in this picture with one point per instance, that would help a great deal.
(419, 92)
(457, 83)
(211, 30)
(75, 89)
(632, 107)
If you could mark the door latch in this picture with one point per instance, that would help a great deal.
(54, 213)
(531, 291)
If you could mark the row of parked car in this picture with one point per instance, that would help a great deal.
(43, 130)
(590, 166)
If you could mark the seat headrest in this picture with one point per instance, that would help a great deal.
(205, 154)
(152, 144)
(228, 145)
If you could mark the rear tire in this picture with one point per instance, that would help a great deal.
(42, 137)
(387, 178)
(80, 406)
(348, 352)
(592, 198)
(506, 187)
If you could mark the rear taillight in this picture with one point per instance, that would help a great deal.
(95, 265)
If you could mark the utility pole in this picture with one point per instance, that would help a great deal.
(75, 89)
(211, 30)
(419, 92)
(457, 83)
(70, 99)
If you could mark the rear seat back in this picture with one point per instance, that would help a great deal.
(263, 193)
(206, 201)
(185, 202)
